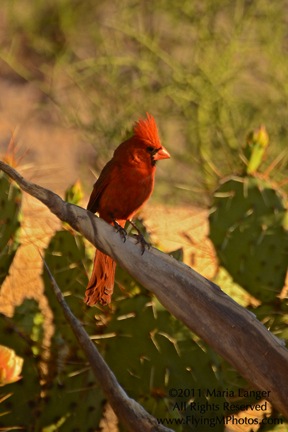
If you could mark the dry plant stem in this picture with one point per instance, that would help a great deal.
(129, 412)
(228, 328)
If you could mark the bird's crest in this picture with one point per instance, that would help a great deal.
(146, 130)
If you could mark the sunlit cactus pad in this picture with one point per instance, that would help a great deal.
(247, 227)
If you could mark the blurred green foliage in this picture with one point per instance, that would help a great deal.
(209, 71)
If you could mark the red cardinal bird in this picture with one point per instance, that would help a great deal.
(124, 185)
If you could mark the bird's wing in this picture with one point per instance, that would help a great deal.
(99, 187)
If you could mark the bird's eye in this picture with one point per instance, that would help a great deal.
(150, 149)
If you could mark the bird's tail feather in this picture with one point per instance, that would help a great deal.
(101, 284)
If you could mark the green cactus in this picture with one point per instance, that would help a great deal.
(66, 257)
(151, 353)
(247, 227)
(10, 204)
(23, 333)
(73, 400)
(225, 281)
(55, 393)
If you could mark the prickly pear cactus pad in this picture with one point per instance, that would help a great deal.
(10, 203)
(247, 228)
(151, 353)
(21, 403)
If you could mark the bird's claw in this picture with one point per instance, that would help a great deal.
(121, 230)
(140, 239)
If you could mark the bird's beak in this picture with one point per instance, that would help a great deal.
(162, 153)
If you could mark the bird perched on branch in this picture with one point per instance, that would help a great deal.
(124, 185)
